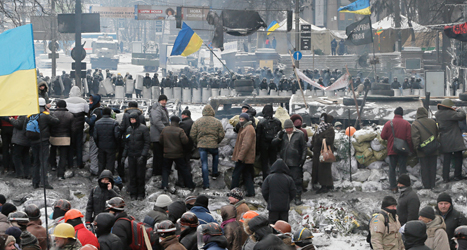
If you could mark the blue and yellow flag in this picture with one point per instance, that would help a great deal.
(361, 7)
(272, 27)
(18, 80)
(187, 42)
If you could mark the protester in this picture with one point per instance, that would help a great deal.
(65, 239)
(435, 229)
(106, 135)
(21, 146)
(167, 236)
(7, 146)
(409, 203)
(236, 198)
(122, 227)
(415, 236)
(188, 225)
(266, 131)
(60, 137)
(451, 216)
(176, 210)
(79, 108)
(34, 225)
(263, 233)
(201, 210)
(73, 217)
(29, 242)
(232, 230)
(159, 212)
(302, 239)
(103, 225)
(159, 119)
(99, 195)
(186, 125)
(213, 237)
(380, 235)
(460, 235)
(94, 114)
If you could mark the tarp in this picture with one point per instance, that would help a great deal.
(342, 82)
(388, 23)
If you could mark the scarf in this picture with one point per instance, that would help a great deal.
(227, 222)
(323, 127)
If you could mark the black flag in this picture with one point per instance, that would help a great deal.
(360, 32)
(458, 32)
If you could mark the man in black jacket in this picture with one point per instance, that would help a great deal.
(107, 240)
(188, 224)
(106, 135)
(99, 195)
(263, 234)
(186, 125)
(21, 146)
(415, 235)
(95, 113)
(451, 216)
(266, 130)
(136, 148)
(122, 227)
(278, 190)
(409, 203)
(60, 137)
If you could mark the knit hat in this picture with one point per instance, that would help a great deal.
(399, 111)
(8, 208)
(9, 240)
(202, 201)
(190, 202)
(404, 180)
(175, 119)
(388, 201)
(288, 124)
(427, 212)
(162, 97)
(163, 200)
(2, 199)
(236, 193)
(15, 232)
(244, 116)
(27, 239)
(186, 112)
(61, 104)
(442, 197)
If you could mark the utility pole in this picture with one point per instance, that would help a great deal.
(211, 58)
(297, 29)
(397, 21)
(54, 40)
(78, 46)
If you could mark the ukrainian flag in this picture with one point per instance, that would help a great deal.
(272, 27)
(187, 42)
(18, 81)
(361, 7)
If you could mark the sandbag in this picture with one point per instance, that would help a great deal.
(380, 155)
(376, 145)
(365, 160)
(361, 147)
(364, 135)
(282, 115)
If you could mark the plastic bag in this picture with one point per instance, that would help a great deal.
(376, 145)
(282, 115)
(364, 135)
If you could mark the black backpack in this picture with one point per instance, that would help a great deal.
(270, 130)
(386, 223)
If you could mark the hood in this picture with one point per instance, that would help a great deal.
(268, 111)
(414, 234)
(75, 92)
(133, 110)
(106, 174)
(251, 111)
(176, 210)
(95, 100)
(259, 225)
(43, 83)
(105, 222)
(280, 167)
(228, 212)
(432, 226)
(421, 113)
(220, 240)
(136, 117)
(208, 111)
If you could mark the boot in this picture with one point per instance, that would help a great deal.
(298, 200)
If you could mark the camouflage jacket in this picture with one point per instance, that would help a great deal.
(384, 238)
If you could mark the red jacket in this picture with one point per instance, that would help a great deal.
(402, 130)
(85, 236)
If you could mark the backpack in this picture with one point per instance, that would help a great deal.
(33, 131)
(270, 131)
(142, 235)
(386, 223)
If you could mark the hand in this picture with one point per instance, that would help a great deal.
(48, 105)
(89, 226)
(281, 134)
(109, 186)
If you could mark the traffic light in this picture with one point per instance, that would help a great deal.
(289, 20)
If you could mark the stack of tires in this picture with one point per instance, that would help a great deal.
(382, 89)
(244, 87)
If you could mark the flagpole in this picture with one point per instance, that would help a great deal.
(298, 80)
(218, 59)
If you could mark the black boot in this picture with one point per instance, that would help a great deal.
(298, 200)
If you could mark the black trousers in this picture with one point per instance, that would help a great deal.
(180, 180)
(63, 161)
(120, 166)
(275, 216)
(106, 160)
(428, 170)
(457, 157)
(76, 148)
(158, 160)
(247, 172)
(7, 133)
(22, 160)
(181, 168)
(137, 174)
(297, 176)
(268, 156)
(40, 153)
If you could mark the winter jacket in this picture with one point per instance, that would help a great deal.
(415, 236)
(452, 219)
(44, 93)
(76, 245)
(241, 208)
(249, 244)
(437, 236)
(189, 239)
(381, 238)
(35, 228)
(203, 214)
(176, 210)
(147, 82)
(19, 133)
(420, 133)
(95, 113)
(78, 107)
(450, 135)
(159, 118)
(218, 242)
(232, 230)
(106, 133)
(408, 205)
(4, 224)
(172, 243)
(298, 121)
(292, 151)
(207, 131)
(98, 197)
(46, 121)
(245, 147)
(123, 229)
(107, 240)
(278, 188)
(267, 130)
(137, 140)
(126, 118)
(85, 236)
(63, 129)
(402, 130)
(263, 233)
(156, 215)
(173, 139)
(186, 125)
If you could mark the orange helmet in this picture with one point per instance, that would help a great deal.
(282, 227)
(249, 215)
(73, 214)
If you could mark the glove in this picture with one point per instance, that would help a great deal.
(281, 134)
(90, 227)
(142, 160)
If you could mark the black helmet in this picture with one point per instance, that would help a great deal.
(19, 217)
(302, 237)
(211, 228)
(62, 204)
(166, 228)
(189, 219)
(32, 211)
(116, 203)
(461, 233)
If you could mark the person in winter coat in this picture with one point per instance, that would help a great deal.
(409, 203)
(159, 212)
(236, 199)
(213, 237)
(168, 237)
(103, 225)
(65, 238)
(251, 112)
(43, 91)
(7, 146)
(21, 146)
(207, 132)
(40, 147)
(415, 236)
(122, 227)
(450, 137)
(99, 195)
(29, 242)
(176, 210)
(232, 230)
(137, 145)
(34, 225)
(60, 137)
(95, 113)
(422, 129)
(159, 118)
(186, 125)
(291, 143)
(79, 108)
(73, 217)
(402, 130)
(173, 139)
(386, 236)
(106, 135)
(278, 190)
(297, 122)
(263, 233)
(396, 84)
(451, 216)
(200, 209)
(435, 229)
(250, 242)
(244, 155)
(321, 172)
(188, 224)
(266, 131)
